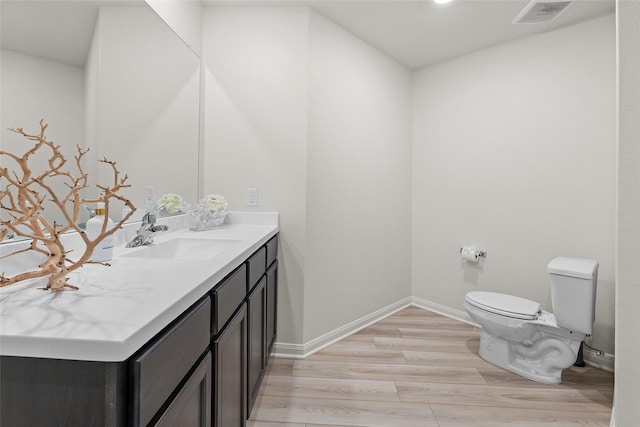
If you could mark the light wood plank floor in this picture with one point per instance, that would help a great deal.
(417, 368)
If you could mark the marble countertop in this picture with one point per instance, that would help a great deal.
(119, 308)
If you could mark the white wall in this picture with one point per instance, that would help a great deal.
(148, 106)
(359, 180)
(255, 125)
(34, 88)
(627, 393)
(92, 91)
(514, 152)
(184, 17)
(336, 167)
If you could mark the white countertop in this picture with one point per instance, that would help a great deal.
(119, 308)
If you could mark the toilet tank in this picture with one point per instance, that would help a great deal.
(573, 292)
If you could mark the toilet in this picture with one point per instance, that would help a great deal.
(520, 337)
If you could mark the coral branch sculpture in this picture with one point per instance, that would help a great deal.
(22, 194)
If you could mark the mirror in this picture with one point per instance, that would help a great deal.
(185, 18)
(110, 76)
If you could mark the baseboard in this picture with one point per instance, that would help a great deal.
(598, 359)
(288, 351)
(300, 351)
(613, 416)
(449, 312)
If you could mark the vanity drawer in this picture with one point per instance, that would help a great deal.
(272, 250)
(227, 297)
(160, 368)
(257, 265)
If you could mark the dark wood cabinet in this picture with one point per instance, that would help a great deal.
(192, 405)
(162, 365)
(272, 250)
(62, 393)
(256, 358)
(272, 307)
(256, 266)
(230, 372)
(227, 297)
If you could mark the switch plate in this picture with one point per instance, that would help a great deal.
(149, 198)
(252, 197)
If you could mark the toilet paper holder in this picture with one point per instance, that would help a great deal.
(478, 253)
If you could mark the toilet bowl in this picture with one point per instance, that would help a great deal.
(520, 337)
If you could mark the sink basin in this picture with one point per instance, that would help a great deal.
(182, 248)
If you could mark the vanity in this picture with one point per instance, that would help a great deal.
(175, 334)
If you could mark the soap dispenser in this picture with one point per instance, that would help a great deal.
(104, 249)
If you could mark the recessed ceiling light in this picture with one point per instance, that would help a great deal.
(441, 1)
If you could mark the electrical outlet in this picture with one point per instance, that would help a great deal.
(252, 197)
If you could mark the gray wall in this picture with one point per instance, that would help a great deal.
(627, 392)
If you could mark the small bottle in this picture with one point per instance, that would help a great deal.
(104, 249)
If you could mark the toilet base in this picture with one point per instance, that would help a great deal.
(541, 360)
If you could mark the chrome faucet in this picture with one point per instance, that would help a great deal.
(148, 229)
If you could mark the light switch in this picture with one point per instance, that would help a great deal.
(252, 197)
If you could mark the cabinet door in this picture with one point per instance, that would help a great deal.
(257, 343)
(192, 405)
(230, 372)
(272, 307)
(160, 367)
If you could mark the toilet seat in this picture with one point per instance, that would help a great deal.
(504, 304)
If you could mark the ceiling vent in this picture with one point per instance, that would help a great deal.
(541, 11)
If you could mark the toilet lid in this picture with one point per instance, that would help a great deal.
(504, 305)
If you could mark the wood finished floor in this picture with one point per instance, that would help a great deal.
(417, 368)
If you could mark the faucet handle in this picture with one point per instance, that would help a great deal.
(149, 218)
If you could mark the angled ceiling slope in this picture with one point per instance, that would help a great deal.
(418, 33)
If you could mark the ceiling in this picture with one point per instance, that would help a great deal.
(416, 33)
(60, 30)
(420, 33)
